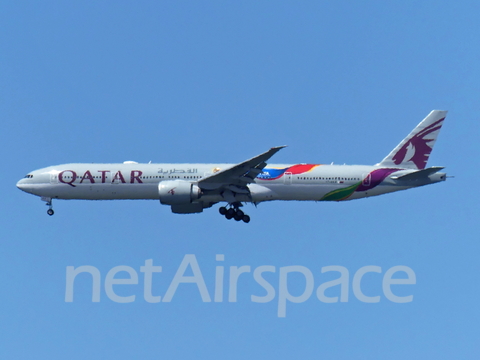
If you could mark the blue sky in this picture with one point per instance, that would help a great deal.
(222, 82)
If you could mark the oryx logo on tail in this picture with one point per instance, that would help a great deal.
(413, 152)
(418, 148)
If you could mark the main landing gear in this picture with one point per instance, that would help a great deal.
(234, 213)
(49, 204)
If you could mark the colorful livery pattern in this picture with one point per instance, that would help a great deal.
(370, 181)
(274, 174)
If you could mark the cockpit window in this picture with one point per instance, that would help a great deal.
(29, 176)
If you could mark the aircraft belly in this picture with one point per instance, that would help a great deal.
(98, 191)
(150, 191)
(300, 192)
(317, 192)
(379, 190)
(135, 191)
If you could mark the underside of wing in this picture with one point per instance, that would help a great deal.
(237, 177)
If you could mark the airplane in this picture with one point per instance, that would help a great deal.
(191, 188)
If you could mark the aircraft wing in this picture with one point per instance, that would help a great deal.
(238, 175)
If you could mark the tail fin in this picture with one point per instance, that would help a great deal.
(414, 150)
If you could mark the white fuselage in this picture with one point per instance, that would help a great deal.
(276, 182)
(190, 188)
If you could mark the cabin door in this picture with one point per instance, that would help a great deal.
(287, 178)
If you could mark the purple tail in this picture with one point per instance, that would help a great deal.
(413, 152)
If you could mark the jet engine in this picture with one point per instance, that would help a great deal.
(178, 192)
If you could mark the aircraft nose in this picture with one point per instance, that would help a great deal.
(22, 185)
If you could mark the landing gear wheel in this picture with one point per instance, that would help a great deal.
(233, 212)
(230, 213)
(48, 201)
(238, 215)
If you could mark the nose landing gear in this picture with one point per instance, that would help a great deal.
(234, 213)
(49, 204)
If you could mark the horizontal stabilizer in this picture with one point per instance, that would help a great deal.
(420, 174)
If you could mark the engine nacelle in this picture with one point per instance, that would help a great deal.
(178, 192)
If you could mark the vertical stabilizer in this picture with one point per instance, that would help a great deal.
(413, 152)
